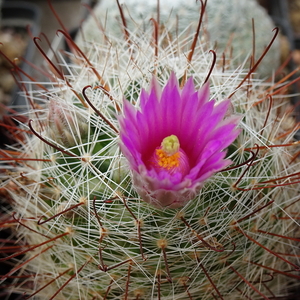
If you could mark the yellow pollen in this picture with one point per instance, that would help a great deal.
(165, 161)
(168, 155)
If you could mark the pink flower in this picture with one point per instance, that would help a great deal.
(175, 141)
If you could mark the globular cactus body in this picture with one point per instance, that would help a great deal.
(233, 26)
(88, 235)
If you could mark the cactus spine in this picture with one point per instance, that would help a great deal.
(85, 231)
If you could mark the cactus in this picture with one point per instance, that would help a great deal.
(83, 230)
(228, 24)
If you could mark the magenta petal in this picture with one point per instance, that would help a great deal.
(203, 130)
(188, 89)
(188, 113)
(203, 95)
(143, 99)
(170, 111)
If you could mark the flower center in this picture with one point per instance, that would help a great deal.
(168, 154)
(170, 157)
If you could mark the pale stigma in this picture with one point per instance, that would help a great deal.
(170, 145)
